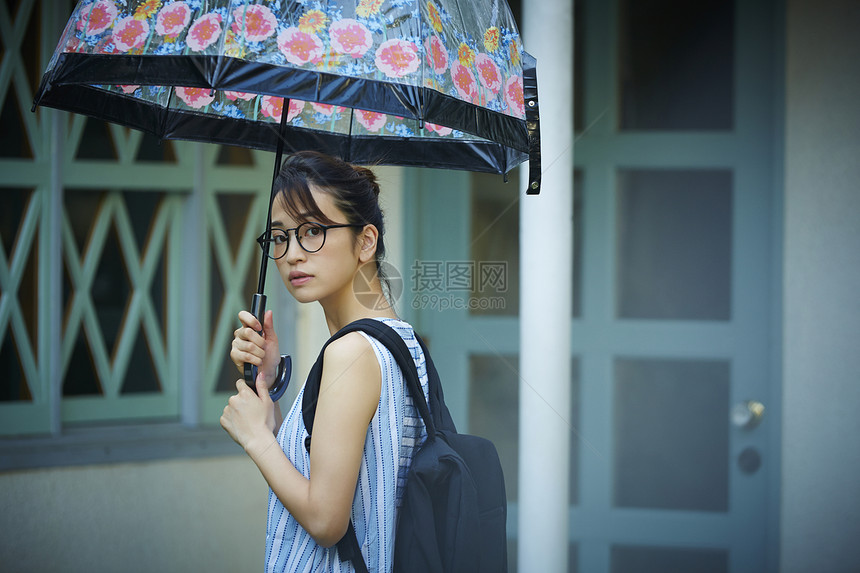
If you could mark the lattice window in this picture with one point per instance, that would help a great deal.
(140, 268)
(233, 220)
(19, 220)
(23, 186)
(119, 253)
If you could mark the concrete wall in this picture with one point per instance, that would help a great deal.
(820, 520)
(183, 515)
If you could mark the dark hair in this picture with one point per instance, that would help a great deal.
(352, 187)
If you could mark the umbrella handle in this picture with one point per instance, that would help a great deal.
(258, 309)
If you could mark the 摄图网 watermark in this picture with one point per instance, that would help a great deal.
(439, 285)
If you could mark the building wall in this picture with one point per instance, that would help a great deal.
(821, 339)
(209, 514)
(175, 515)
(179, 515)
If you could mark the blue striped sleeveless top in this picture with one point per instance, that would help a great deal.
(394, 433)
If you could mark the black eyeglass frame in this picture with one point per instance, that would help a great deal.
(262, 239)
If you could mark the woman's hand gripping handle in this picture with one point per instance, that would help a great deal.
(258, 309)
(255, 348)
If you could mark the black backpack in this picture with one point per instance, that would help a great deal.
(454, 508)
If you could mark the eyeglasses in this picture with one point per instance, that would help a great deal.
(310, 236)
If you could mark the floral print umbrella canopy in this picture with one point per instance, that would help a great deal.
(434, 83)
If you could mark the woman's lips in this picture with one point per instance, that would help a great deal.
(298, 278)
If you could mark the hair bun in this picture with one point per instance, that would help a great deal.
(370, 176)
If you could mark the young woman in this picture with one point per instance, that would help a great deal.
(326, 228)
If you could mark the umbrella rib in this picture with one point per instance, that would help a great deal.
(163, 131)
(348, 157)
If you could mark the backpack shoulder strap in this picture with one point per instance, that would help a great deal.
(395, 344)
(392, 341)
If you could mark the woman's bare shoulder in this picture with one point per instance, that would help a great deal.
(352, 353)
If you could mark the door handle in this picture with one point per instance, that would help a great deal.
(747, 415)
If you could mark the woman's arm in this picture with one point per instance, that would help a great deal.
(348, 400)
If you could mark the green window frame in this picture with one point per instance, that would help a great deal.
(186, 265)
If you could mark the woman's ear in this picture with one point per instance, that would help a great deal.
(368, 239)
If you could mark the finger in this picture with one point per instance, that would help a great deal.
(244, 332)
(250, 321)
(263, 390)
(241, 351)
(254, 355)
(254, 337)
(240, 358)
(269, 324)
(249, 347)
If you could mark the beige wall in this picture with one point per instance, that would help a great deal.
(820, 519)
(184, 515)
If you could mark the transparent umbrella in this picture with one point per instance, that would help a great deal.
(432, 83)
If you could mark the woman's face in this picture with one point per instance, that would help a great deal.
(326, 273)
